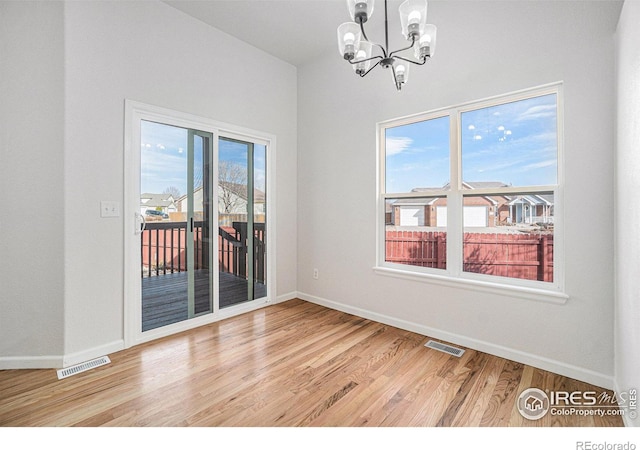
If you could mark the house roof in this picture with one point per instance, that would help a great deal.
(156, 200)
(241, 191)
(484, 184)
(416, 201)
(546, 197)
(467, 184)
(238, 189)
(532, 199)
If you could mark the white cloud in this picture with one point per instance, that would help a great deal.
(395, 145)
(541, 164)
(538, 112)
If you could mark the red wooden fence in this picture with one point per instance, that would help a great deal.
(527, 255)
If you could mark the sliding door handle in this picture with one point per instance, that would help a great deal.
(140, 224)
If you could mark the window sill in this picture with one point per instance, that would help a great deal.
(527, 293)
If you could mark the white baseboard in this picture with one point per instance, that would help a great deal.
(58, 361)
(558, 367)
(561, 368)
(285, 297)
(92, 353)
(30, 362)
(62, 361)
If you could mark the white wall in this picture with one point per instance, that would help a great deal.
(152, 53)
(31, 183)
(627, 262)
(72, 65)
(484, 49)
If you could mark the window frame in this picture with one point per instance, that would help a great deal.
(454, 275)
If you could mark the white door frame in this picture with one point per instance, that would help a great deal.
(134, 113)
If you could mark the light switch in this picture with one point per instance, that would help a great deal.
(109, 209)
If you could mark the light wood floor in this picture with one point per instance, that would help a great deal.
(290, 364)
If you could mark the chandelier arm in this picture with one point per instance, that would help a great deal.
(413, 41)
(372, 67)
(418, 63)
(364, 35)
(353, 61)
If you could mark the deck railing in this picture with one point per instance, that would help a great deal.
(164, 249)
(233, 252)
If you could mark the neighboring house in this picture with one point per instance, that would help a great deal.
(157, 202)
(232, 199)
(388, 212)
(531, 209)
(479, 211)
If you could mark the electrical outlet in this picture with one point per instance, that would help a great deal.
(315, 274)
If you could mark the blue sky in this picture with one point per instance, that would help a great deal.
(417, 155)
(163, 158)
(514, 143)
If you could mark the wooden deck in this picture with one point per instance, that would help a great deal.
(164, 297)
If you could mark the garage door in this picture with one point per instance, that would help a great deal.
(411, 216)
(474, 216)
(441, 216)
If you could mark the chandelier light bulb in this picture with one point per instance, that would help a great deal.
(414, 17)
(360, 67)
(349, 39)
(349, 36)
(362, 60)
(426, 46)
(349, 47)
(400, 73)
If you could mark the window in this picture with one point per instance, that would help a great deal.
(471, 193)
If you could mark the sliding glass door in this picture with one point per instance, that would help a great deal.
(196, 227)
(242, 213)
(176, 246)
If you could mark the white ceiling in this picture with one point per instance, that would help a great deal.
(292, 30)
(298, 30)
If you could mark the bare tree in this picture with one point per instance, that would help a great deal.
(233, 185)
(174, 191)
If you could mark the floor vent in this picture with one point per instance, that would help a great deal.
(83, 367)
(445, 348)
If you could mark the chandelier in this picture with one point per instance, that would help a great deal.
(356, 48)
